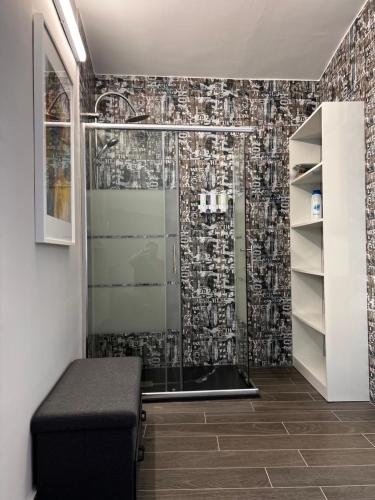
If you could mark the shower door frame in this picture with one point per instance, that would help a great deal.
(165, 395)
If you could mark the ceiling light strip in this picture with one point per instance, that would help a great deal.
(69, 23)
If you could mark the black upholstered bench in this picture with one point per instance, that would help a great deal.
(86, 433)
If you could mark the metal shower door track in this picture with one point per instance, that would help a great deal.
(213, 393)
(167, 128)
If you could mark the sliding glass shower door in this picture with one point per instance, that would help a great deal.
(133, 251)
(166, 276)
(240, 261)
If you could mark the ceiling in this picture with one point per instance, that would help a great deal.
(259, 39)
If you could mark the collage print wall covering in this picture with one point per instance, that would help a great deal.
(276, 108)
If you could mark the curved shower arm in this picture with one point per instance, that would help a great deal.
(106, 94)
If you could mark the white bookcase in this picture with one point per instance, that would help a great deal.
(328, 256)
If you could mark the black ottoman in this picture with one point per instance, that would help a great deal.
(86, 433)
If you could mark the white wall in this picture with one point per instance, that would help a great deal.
(40, 285)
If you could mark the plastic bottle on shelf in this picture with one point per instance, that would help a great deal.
(316, 204)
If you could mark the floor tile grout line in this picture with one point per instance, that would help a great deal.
(303, 458)
(271, 421)
(273, 467)
(257, 488)
(260, 450)
(269, 479)
(367, 439)
(333, 411)
(348, 422)
(285, 428)
(324, 495)
(273, 435)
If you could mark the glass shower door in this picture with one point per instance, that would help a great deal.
(240, 251)
(133, 272)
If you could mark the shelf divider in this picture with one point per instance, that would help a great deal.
(312, 176)
(301, 225)
(312, 320)
(313, 272)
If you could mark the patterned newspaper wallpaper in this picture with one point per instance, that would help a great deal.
(351, 76)
(274, 109)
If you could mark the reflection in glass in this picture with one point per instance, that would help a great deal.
(58, 147)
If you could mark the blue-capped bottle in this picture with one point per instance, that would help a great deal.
(316, 204)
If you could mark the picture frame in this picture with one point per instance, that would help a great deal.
(54, 140)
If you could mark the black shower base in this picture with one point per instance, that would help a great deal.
(194, 378)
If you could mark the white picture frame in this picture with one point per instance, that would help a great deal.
(54, 140)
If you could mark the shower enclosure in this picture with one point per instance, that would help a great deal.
(165, 281)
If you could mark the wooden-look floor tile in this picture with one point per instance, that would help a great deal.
(285, 396)
(290, 442)
(350, 493)
(220, 405)
(183, 443)
(322, 476)
(175, 418)
(219, 449)
(371, 437)
(255, 371)
(260, 405)
(220, 459)
(236, 494)
(356, 415)
(340, 457)
(330, 427)
(202, 478)
(214, 429)
(287, 388)
(313, 416)
(265, 381)
(275, 376)
(316, 396)
(298, 380)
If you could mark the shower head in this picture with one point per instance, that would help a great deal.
(136, 118)
(112, 142)
(109, 144)
(130, 119)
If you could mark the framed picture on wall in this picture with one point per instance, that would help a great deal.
(54, 141)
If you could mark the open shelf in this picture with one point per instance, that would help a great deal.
(313, 320)
(330, 346)
(313, 272)
(312, 176)
(311, 129)
(317, 222)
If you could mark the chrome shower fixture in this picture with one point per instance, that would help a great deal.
(131, 119)
(109, 144)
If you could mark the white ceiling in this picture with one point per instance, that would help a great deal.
(260, 39)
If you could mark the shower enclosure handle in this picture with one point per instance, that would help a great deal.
(174, 259)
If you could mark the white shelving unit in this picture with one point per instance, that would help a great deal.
(328, 255)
